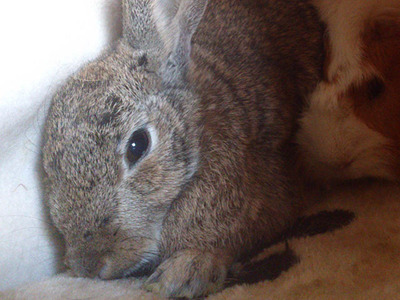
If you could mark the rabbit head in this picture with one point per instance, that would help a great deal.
(121, 141)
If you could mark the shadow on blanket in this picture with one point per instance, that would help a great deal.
(270, 267)
(346, 246)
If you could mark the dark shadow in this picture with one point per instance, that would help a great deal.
(322, 222)
(266, 269)
(271, 267)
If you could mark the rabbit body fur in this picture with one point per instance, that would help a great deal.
(217, 86)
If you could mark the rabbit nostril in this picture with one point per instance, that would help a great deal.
(88, 236)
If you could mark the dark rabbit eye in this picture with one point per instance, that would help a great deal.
(138, 145)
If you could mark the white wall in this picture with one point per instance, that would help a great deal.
(41, 43)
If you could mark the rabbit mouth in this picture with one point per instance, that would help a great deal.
(143, 265)
(142, 269)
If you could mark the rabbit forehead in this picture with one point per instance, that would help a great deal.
(91, 108)
(85, 123)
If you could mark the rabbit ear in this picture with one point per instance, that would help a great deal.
(139, 28)
(166, 26)
(176, 21)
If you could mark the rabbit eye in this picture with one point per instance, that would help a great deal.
(137, 146)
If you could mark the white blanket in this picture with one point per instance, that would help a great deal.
(42, 42)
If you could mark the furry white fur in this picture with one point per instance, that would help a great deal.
(335, 144)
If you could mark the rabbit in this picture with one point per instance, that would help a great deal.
(170, 156)
(350, 127)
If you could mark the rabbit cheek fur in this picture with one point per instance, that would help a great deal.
(351, 127)
(110, 215)
(217, 180)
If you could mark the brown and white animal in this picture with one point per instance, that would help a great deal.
(170, 156)
(351, 127)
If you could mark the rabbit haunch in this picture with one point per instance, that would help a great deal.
(222, 106)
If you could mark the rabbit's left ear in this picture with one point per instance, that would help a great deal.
(176, 22)
(166, 26)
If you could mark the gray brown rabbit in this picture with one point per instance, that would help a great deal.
(170, 155)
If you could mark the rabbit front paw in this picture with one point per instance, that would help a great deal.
(189, 273)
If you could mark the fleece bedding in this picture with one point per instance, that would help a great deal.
(345, 246)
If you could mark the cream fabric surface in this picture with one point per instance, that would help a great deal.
(357, 261)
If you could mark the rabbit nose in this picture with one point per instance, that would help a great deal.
(112, 269)
(87, 266)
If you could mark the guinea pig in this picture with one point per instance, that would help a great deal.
(350, 128)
